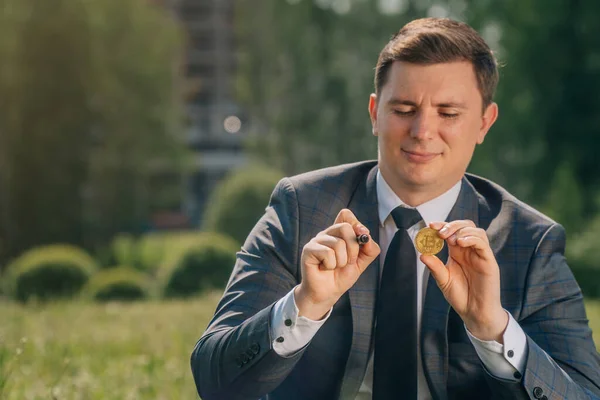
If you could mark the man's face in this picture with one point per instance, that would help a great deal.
(428, 120)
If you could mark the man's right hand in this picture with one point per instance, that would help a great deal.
(331, 263)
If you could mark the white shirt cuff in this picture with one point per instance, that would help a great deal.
(289, 331)
(504, 361)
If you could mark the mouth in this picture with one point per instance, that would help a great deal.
(419, 157)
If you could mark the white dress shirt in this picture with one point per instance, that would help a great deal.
(500, 360)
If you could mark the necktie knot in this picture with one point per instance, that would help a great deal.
(405, 217)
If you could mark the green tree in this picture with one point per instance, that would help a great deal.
(548, 97)
(90, 110)
(309, 101)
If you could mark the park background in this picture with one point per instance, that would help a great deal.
(140, 141)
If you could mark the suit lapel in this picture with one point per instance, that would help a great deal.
(362, 295)
(434, 321)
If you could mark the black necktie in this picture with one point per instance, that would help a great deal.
(395, 367)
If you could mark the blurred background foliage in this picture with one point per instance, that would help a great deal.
(89, 106)
(92, 110)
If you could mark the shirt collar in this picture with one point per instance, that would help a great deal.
(434, 210)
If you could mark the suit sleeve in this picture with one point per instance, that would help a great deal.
(234, 358)
(562, 361)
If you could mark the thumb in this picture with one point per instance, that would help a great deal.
(367, 254)
(437, 269)
(368, 251)
(345, 215)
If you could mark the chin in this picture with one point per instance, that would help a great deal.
(418, 176)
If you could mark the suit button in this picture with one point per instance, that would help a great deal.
(280, 339)
(544, 397)
(255, 348)
(288, 322)
(538, 392)
(510, 353)
(239, 362)
(250, 354)
(245, 358)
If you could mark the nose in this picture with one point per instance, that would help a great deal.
(423, 125)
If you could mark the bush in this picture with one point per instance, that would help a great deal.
(581, 256)
(150, 251)
(49, 272)
(589, 281)
(118, 283)
(206, 265)
(160, 248)
(124, 251)
(239, 202)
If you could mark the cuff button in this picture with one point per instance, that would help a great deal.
(510, 353)
(288, 322)
(280, 339)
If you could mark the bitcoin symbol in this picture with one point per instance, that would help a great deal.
(428, 242)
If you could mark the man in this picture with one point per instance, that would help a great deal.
(309, 313)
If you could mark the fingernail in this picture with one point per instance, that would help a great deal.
(444, 229)
(362, 229)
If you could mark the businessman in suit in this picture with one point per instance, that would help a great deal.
(308, 313)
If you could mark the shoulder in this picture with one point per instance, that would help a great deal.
(499, 200)
(318, 195)
(500, 209)
(339, 174)
(340, 180)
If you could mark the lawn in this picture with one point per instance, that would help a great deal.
(86, 351)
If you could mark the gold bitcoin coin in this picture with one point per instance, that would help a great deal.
(428, 242)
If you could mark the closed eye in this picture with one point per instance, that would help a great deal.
(449, 115)
(403, 113)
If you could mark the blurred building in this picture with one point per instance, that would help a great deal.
(215, 122)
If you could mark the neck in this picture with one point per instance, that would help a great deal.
(414, 195)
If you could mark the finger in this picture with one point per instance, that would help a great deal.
(468, 231)
(450, 228)
(339, 246)
(437, 269)
(348, 233)
(320, 255)
(437, 225)
(345, 215)
(368, 252)
(480, 245)
(344, 231)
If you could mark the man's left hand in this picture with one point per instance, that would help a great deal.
(470, 281)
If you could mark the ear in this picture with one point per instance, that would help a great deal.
(489, 117)
(373, 113)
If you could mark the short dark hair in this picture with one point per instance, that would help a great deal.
(440, 40)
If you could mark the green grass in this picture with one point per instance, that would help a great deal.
(73, 351)
(79, 350)
(593, 311)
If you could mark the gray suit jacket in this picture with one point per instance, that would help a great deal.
(234, 358)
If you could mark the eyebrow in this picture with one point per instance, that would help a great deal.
(398, 101)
